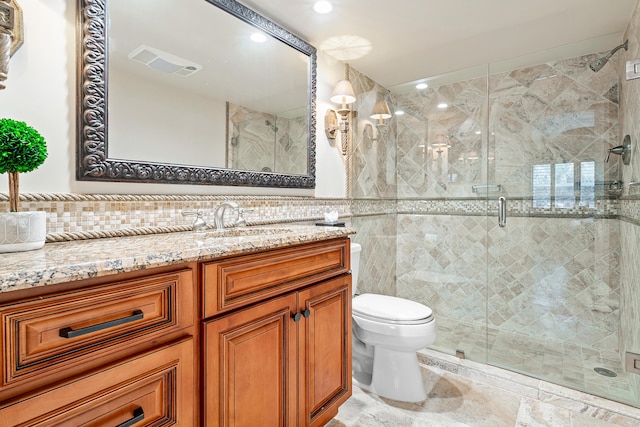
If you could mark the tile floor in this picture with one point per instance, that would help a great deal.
(560, 362)
(466, 393)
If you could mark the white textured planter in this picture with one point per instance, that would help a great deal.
(22, 231)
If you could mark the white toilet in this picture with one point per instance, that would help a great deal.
(387, 333)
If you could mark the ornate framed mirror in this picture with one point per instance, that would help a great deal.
(177, 92)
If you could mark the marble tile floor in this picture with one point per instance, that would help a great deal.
(562, 363)
(465, 393)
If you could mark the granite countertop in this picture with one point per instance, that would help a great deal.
(83, 259)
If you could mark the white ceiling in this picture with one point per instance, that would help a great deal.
(413, 39)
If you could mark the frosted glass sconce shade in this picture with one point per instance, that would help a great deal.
(381, 110)
(343, 93)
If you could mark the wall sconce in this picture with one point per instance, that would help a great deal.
(344, 95)
(11, 35)
(380, 112)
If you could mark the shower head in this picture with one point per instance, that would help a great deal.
(600, 62)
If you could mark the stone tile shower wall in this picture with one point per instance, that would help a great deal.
(440, 151)
(373, 147)
(376, 225)
(373, 188)
(554, 271)
(550, 115)
(630, 204)
(266, 142)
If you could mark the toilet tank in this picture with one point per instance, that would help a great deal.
(355, 265)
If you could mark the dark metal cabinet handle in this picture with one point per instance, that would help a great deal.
(72, 333)
(298, 316)
(138, 415)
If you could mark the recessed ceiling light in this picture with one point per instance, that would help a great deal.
(322, 6)
(258, 37)
(422, 86)
(443, 105)
(399, 112)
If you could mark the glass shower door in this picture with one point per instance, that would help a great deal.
(553, 291)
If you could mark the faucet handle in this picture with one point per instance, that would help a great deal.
(241, 221)
(199, 224)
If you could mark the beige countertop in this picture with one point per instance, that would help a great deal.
(83, 259)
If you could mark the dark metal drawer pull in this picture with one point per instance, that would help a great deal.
(138, 415)
(71, 333)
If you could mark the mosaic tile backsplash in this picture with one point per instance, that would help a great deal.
(92, 215)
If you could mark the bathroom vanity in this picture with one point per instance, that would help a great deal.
(241, 327)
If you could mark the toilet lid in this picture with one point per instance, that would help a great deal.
(391, 309)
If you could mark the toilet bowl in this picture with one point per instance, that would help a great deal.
(387, 333)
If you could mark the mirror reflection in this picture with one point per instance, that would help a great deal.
(266, 142)
(220, 94)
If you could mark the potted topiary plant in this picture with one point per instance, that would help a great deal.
(22, 149)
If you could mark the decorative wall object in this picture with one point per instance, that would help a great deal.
(11, 35)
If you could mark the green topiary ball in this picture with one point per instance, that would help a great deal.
(22, 148)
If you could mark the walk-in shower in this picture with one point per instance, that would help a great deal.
(543, 295)
(266, 142)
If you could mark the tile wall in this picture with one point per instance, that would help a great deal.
(630, 203)
(266, 142)
(561, 276)
(377, 232)
(373, 162)
(543, 115)
(75, 216)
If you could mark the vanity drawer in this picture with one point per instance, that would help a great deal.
(57, 335)
(239, 281)
(155, 388)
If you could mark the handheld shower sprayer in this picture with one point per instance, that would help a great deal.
(601, 62)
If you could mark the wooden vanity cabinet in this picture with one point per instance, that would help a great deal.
(262, 339)
(284, 360)
(105, 351)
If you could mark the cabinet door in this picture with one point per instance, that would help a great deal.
(250, 366)
(325, 350)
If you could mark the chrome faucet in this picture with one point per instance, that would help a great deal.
(199, 224)
(239, 222)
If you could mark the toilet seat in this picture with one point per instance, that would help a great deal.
(392, 310)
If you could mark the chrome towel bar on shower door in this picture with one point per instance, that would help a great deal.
(502, 211)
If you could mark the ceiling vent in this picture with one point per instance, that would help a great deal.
(163, 61)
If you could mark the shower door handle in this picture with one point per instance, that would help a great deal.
(502, 211)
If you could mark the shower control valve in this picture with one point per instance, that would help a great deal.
(623, 150)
